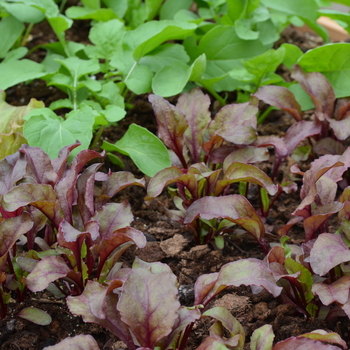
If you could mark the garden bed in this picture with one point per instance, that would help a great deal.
(169, 242)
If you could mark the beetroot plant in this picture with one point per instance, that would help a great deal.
(209, 155)
(60, 221)
(141, 307)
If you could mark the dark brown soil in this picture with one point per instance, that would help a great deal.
(168, 242)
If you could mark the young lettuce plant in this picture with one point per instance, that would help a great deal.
(73, 227)
(141, 307)
(209, 155)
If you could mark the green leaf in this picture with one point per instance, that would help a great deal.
(150, 35)
(107, 38)
(171, 80)
(334, 65)
(139, 80)
(144, 148)
(102, 14)
(244, 31)
(35, 315)
(224, 51)
(164, 55)
(78, 67)
(292, 54)
(10, 29)
(171, 7)
(198, 68)
(46, 130)
(301, 8)
(14, 72)
(23, 12)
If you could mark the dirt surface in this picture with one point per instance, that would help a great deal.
(169, 242)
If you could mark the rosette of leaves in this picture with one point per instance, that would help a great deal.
(141, 307)
(70, 230)
(209, 155)
(331, 114)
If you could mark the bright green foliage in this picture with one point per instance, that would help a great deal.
(46, 130)
(145, 149)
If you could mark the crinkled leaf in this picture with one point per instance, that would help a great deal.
(47, 270)
(247, 272)
(238, 172)
(280, 97)
(319, 89)
(338, 291)
(172, 125)
(328, 251)
(79, 342)
(149, 304)
(236, 123)
(35, 315)
(262, 338)
(235, 208)
(11, 125)
(195, 106)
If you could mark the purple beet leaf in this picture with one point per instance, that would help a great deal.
(319, 89)
(47, 270)
(328, 251)
(79, 342)
(240, 172)
(317, 339)
(195, 106)
(149, 304)
(337, 292)
(97, 304)
(172, 125)
(234, 208)
(236, 123)
(247, 272)
(280, 97)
